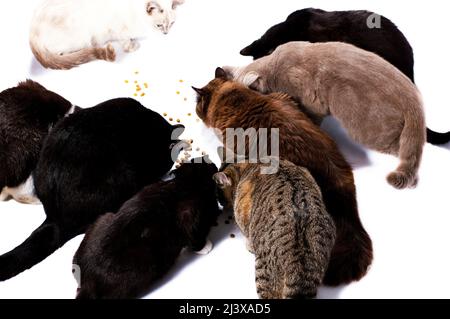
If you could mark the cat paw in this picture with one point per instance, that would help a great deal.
(207, 249)
(399, 180)
(28, 199)
(4, 195)
(130, 45)
(110, 53)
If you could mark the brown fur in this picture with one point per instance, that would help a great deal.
(226, 104)
(67, 61)
(376, 103)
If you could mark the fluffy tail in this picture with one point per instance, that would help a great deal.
(67, 61)
(41, 243)
(411, 145)
(436, 138)
(352, 253)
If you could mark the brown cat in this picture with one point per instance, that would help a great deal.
(226, 104)
(286, 224)
(375, 102)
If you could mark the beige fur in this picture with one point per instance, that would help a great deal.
(67, 61)
(378, 105)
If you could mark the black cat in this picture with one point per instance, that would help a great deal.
(91, 163)
(27, 113)
(354, 27)
(123, 254)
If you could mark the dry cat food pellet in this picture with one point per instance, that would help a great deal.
(170, 119)
(165, 114)
(135, 94)
(146, 85)
(232, 235)
(178, 120)
(126, 81)
(181, 81)
(178, 92)
(189, 114)
(143, 94)
(135, 82)
(136, 72)
(185, 99)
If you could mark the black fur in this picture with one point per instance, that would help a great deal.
(315, 25)
(123, 254)
(27, 112)
(91, 163)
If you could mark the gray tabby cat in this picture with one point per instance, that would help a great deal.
(286, 225)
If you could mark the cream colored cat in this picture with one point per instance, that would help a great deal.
(375, 102)
(67, 33)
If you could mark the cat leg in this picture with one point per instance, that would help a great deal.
(130, 45)
(4, 195)
(24, 193)
(263, 276)
(250, 247)
(206, 249)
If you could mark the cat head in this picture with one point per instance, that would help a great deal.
(248, 76)
(162, 13)
(204, 94)
(226, 181)
(295, 28)
(199, 171)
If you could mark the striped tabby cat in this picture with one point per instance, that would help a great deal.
(286, 225)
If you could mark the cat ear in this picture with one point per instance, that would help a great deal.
(177, 3)
(247, 51)
(221, 74)
(222, 180)
(200, 92)
(151, 7)
(250, 79)
(230, 72)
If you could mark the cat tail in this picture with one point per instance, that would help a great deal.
(411, 145)
(436, 138)
(42, 242)
(316, 232)
(352, 253)
(65, 61)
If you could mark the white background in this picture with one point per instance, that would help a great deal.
(410, 229)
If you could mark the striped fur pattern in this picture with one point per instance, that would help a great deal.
(226, 104)
(286, 224)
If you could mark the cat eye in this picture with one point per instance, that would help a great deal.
(159, 25)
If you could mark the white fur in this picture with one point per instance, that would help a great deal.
(207, 249)
(64, 26)
(70, 111)
(23, 193)
(250, 78)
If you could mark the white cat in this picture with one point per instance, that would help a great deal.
(67, 33)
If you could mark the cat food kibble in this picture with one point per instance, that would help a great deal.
(170, 119)
(165, 114)
(189, 114)
(178, 92)
(178, 121)
(143, 94)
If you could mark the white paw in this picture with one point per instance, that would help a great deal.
(30, 200)
(4, 194)
(131, 46)
(207, 249)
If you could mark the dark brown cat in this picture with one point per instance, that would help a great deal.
(226, 104)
